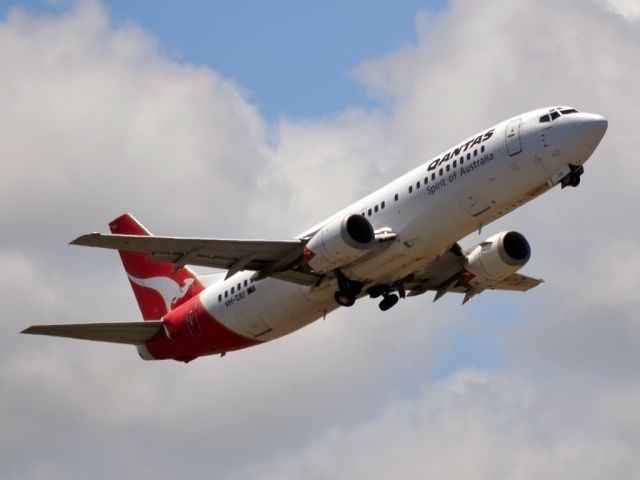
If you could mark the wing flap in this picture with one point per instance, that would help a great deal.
(132, 333)
(518, 283)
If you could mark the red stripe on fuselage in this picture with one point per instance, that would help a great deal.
(191, 332)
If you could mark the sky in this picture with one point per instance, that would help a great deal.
(231, 119)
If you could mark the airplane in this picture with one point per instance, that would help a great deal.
(399, 241)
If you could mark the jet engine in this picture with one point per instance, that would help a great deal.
(495, 259)
(339, 243)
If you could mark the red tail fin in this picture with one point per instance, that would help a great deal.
(157, 287)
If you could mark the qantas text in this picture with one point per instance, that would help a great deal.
(460, 149)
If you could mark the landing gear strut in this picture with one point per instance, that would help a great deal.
(572, 179)
(348, 290)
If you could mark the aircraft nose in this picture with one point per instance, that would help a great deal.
(592, 129)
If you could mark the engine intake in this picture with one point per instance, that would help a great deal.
(339, 243)
(497, 258)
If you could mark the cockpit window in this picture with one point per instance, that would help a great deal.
(555, 113)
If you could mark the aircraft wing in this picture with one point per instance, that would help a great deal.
(132, 333)
(269, 258)
(517, 282)
(445, 274)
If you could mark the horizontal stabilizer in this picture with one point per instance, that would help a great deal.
(132, 333)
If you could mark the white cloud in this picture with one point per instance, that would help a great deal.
(98, 120)
(97, 115)
(629, 9)
(476, 424)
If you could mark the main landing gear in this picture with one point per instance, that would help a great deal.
(388, 299)
(572, 179)
(348, 290)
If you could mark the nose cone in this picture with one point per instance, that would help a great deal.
(592, 129)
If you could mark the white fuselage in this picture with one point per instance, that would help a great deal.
(429, 209)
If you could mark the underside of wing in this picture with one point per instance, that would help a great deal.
(518, 283)
(277, 258)
(448, 274)
(132, 333)
(442, 273)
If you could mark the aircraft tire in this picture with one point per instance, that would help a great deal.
(388, 301)
(344, 299)
(574, 181)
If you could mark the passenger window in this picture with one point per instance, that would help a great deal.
(475, 152)
(417, 184)
(468, 156)
(226, 294)
(448, 167)
(382, 205)
(369, 212)
(245, 283)
(433, 176)
(455, 163)
(220, 297)
(441, 171)
(410, 188)
(482, 149)
(233, 290)
(426, 179)
(375, 209)
(239, 286)
(396, 197)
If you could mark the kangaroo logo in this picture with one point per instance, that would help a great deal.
(170, 290)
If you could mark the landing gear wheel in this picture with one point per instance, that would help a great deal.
(344, 299)
(388, 301)
(572, 179)
(378, 290)
(348, 290)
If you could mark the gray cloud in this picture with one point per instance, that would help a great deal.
(98, 120)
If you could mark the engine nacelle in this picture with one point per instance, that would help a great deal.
(339, 243)
(496, 258)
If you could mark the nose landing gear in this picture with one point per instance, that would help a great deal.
(572, 179)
